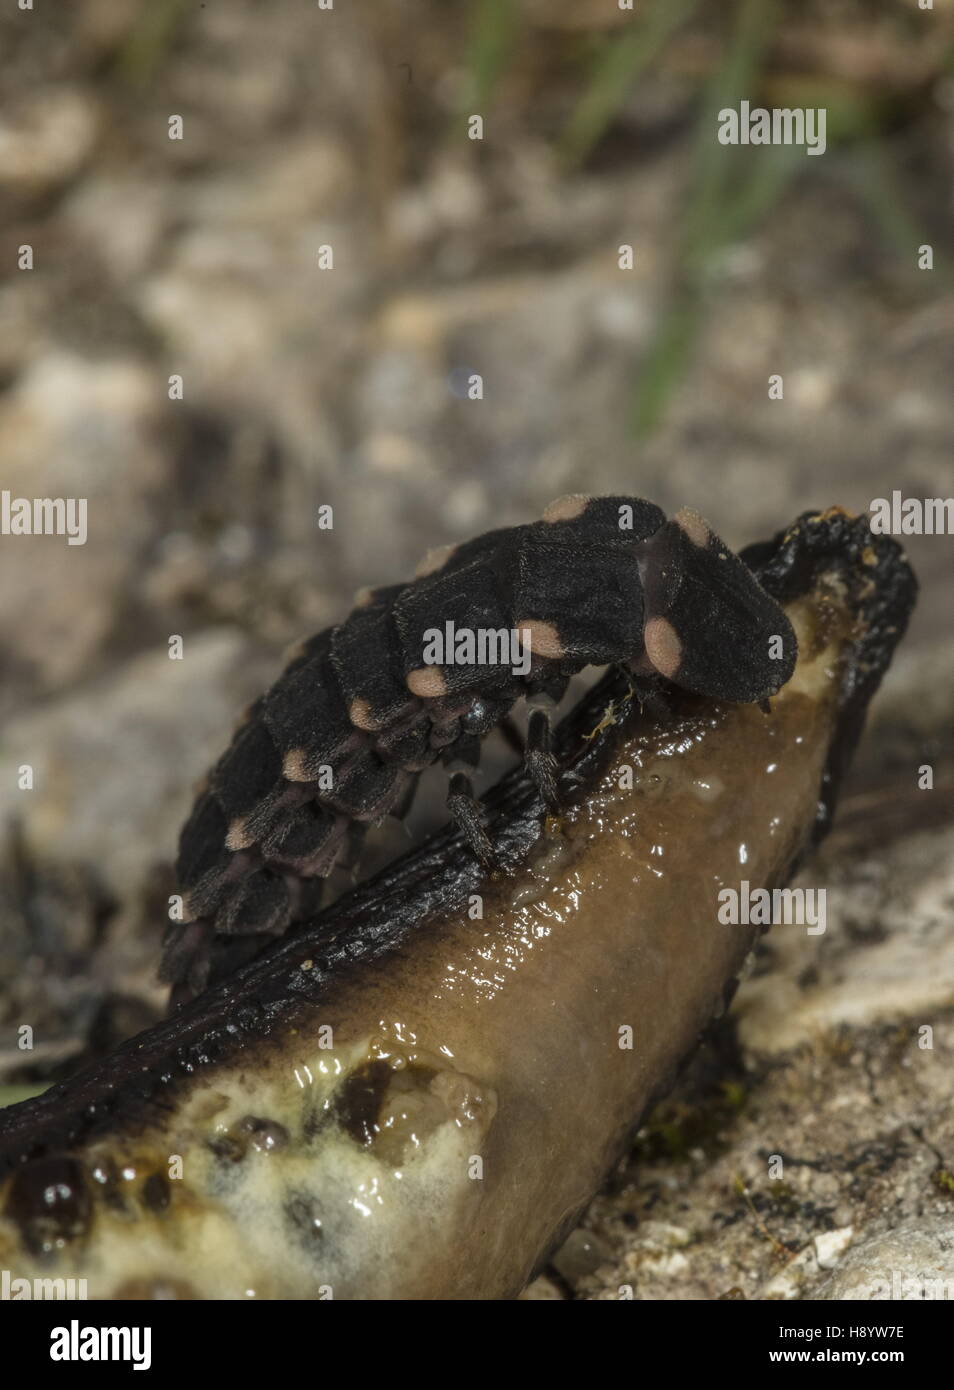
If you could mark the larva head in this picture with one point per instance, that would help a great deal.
(709, 626)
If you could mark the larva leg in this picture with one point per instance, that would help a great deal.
(648, 689)
(353, 845)
(185, 958)
(466, 811)
(402, 806)
(539, 761)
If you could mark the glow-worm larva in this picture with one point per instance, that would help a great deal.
(420, 672)
(415, 1095)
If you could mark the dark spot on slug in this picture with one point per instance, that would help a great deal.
(155, 1192)
(228, 1147)
(358, 1103)
(106, 1179)
(316, 1120)
(370, 1103)
(49, 1201)
(265, 1135)
(302, 1214)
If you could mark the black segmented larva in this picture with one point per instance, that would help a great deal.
(339, 740)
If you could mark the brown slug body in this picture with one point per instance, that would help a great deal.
(416, 1093)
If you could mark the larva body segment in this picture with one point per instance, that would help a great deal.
(340, 739)
(306, 716)
(365, 653)
(471, 598)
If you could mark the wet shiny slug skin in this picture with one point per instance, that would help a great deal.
(413, 1096)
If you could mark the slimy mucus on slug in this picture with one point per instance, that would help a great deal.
(421, 1111)
(547, 857)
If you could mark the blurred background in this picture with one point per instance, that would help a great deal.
(305, 387)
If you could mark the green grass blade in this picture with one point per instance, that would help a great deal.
(619, 62)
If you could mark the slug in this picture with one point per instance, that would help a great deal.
(415, 1094)
(422, 671)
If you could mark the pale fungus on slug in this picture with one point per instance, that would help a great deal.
(415, 1094)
